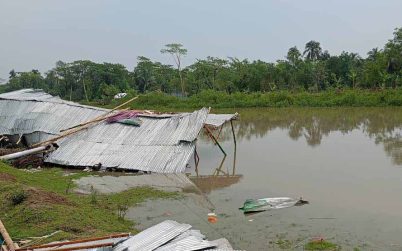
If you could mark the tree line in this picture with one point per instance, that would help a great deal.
(312, 69)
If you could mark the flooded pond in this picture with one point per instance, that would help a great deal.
(347, 162)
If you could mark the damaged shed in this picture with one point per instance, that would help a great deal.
(162, 143)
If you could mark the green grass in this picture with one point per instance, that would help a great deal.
(46, 207)
(284, 244)
(321, 245)
(216, 99)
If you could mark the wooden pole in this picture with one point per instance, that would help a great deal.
(215, 140)
(9, 242)
(235, 148)
(85, 247)
(220, 130)
(58, 244)
(219, 169)
(103, 116)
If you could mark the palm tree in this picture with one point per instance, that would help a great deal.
(312, 50)
(372, 55)
(293, 55)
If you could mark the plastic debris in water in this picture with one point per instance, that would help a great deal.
(212, 218)
(259, 205)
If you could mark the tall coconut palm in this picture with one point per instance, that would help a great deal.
(312, 50)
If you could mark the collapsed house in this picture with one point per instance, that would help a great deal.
(162, 143)
(158, 143)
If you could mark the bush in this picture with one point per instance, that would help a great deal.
(18, 197)
(219, 99)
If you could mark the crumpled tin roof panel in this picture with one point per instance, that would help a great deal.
(27, 111)
(216, 120)
(171, 235)
(159, 159)
(30, 94)
(154, 237)
(41, 96)
(188, 243)
(162, 145)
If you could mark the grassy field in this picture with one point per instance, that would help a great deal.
(215, 99)
(40, 203)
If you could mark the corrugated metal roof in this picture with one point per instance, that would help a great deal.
(187, 243)
(27, 111)
(171, 235)
(41, 96)
(216, 120)
(154, 237)
(162, 145)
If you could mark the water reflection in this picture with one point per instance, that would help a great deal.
(219, 178)
(383, 125)
(208, 183)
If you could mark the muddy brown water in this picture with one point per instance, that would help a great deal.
(347, 162)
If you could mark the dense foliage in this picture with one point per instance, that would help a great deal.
(314, 70)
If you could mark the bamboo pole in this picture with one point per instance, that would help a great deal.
(85, 247)
(219, 169)
(235, 148)
(102, 116)
(220, 130)
(58, 244)
(214, 139)
(9, 242)
(84, 125)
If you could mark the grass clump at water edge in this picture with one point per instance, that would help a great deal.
(321, 245)
(40, 203)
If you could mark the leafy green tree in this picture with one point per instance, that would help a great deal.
(177, 52)
(86, 80)
(393, 52)
(144, 74)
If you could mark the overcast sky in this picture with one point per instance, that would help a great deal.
(37, 33)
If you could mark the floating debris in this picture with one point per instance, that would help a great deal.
(259, 205)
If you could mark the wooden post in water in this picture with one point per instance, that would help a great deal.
(235, 148)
